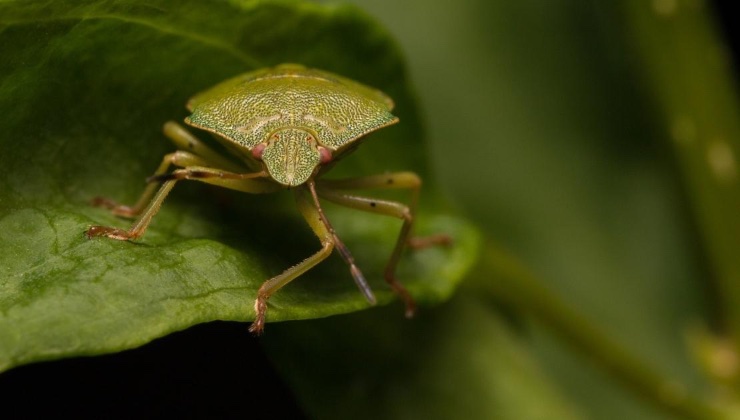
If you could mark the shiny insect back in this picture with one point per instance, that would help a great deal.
(286, 124)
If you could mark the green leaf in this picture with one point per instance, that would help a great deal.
(84, 90)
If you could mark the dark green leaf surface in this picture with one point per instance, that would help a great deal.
(461, 360)
(84, 91)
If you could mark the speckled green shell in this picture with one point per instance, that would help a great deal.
(248, 108)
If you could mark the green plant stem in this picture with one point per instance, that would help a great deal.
(688, 73)
(503, 277)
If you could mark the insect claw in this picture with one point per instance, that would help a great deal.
(260, 307)
(113, 233)
(410, 311)
(257, 327)
(404, 294)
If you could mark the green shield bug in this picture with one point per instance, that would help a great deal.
(287, 125)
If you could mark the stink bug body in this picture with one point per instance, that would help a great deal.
(286, 125)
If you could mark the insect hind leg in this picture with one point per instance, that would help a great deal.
(335, 191)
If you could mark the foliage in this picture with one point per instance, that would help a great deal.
(85, 90)
(595, 145)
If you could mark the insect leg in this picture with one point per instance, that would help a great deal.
(343, 250)
(250, 182)
(193, 152)
(311, 213)
(179, 158)
(255, 182)
(394, 180)
(186, 141)
(141, 224)
(334, 191)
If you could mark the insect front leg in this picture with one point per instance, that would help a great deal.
(311, 213)
(178, 158)
(334, 191)
(185, 141)
(250, 182)
(311, 210)
(193, 152)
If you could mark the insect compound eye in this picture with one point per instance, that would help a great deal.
(324, 155)
(258, 150)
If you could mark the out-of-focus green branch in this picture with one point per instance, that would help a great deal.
(688, 72)
(501, 276)
(687, 75)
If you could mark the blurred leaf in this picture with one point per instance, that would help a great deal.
(560, 153)
(689, 70)
(460, 360)
(84, 90)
